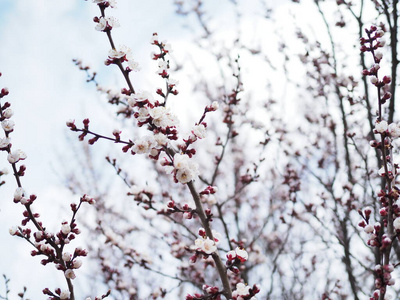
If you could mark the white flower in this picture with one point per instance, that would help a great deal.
(15, 156)
(65, 295)
(13, 230)
(199, 131)
(184, 176)
(143, 114)
(133, 65)
(161, 140)
(241, 290)
(162, 117)
(143, 96)
(217, 236)
(77, 264)
(113, 53)
(369, 228)
(8, 125)
(381, 126)
(378, 54)
(215, 105)
(4, 142)
(143, 145)
(373, 79)
(172, 82)
(66, 256)
(381, 42)
(8, 113)
(19, 193)
(380, 33)
(101, 25)
(394, 130)
(65, 228)
(167, 47)
(205, 245)
(181, 161)
(162, 66)
(123, 50)
(396, 224)
(241, 254)
(24, 201)
(70, 274)
(187, 170)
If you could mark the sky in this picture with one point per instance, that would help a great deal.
(38, 41)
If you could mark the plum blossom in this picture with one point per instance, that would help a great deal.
(19, 193)
(143, 97)
(186, 169)
(65, 228)
(114, 53)
(77, 264)
(199, 131)
(172, 82)
(394, 130)
(16, 156)
(241, 254)
(65, 295)
(241, 291)
(207, 245)
(143, 145)
(66, 256)
(106, 23)
(214, 106)
(162, 117)
(142, 115)
(133, 65)
(396, 224)
(4, 142)
(381, 126)
(8, 113)
(369, 228)
(161, 140)
(13, 230)
(8, 125)
(162, 68)
(69, 274)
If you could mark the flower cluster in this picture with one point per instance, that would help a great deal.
(172, 207)
(123, 54)
(245, 292)
(210, 293)
(205, 246)
(382, 234)
(235, 258)
(185, 170)
(105, 23)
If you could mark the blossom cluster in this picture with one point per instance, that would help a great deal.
(210, 292)
(245, 292)
(204, 246)
(154, 115)
(381, 234)
(235, 258)
(49, 245)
